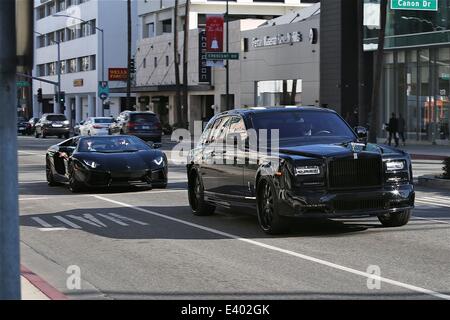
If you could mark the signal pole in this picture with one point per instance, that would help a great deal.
(9, 216)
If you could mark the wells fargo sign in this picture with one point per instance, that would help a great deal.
(117, 74)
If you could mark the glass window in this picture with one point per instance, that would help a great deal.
(219, 130)
(304, 126)
(41, 41)
(61, 35)
(71, 33)
(93, 25)
(61, 5)
(41, 70)
(149, 30)
(51, 68)
(237, 128)
(50, 38)
(72, 65)
(167, 26)
(50, 8)
(63, 67)
(41, 13)
(85, 63)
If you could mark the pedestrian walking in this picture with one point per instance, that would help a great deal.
(393, 129)
(401, 128)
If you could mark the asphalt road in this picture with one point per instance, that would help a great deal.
(146, 244)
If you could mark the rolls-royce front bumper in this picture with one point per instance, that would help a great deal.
(368, 202)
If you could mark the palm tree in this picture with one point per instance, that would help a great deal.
(177, 65)
(185, 61)
(128, 100)
(375, 101)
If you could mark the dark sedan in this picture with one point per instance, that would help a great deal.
(106, 161)
(315, 166)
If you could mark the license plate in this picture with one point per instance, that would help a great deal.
(145, 127)
(57, 125)
(21, 128)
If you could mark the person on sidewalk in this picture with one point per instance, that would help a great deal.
(393, 129)
(401, 128)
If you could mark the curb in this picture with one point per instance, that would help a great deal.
(431, 181)
(427, 157)
(51, 292)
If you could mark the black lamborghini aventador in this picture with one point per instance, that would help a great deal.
(105, 161)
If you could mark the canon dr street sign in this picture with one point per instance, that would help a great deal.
(422, 5)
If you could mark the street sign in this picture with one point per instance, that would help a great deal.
(103, 90)
(22, 84)
(420, 5)
(222, 56)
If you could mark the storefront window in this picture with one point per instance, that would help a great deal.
(416, 86)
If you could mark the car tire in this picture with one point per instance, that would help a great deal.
(267, 208)
(49, 174)
(396, 219)
(196, 196)
(75, 186)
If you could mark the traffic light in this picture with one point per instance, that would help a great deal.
(39, 95)
(132, 66)
(62, 97)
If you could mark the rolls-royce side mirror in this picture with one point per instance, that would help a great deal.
(361, 133)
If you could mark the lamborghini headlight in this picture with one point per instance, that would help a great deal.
(91, 164)
(159, 161)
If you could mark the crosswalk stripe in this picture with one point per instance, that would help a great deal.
(113, 219)
(85, 221)
(129, 219)
(42, 222)
(69, 223)
(434, 203)
(434, 199)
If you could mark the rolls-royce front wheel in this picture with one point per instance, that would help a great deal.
(396, 219)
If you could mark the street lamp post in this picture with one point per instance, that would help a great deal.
(227, 98)
(102, 41)
(58, 67)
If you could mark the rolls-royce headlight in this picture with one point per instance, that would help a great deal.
(395, 165)
(90, 163)
(307, 170)
(159, 161)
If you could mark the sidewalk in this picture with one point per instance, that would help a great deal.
(35, 288)
(427, 152)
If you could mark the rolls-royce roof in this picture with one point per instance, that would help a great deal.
(275, 109)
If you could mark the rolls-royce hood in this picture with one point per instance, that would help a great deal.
(334, 150)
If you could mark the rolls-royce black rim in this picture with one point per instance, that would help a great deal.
(266, 206)
(196, 192)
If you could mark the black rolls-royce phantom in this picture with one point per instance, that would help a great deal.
(297, 162)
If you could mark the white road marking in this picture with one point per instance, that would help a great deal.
(52, 229)
(431, 202)
(113, 219)
(35, 181)
(68, 222)
(285, 251)
(94, 219)
(26, 153)
(128, 219)
(85, 221)
(42, 222)
(440, 200)
(433, 220)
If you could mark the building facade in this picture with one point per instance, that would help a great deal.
(416, 73)
(155, 80)
(77, 25)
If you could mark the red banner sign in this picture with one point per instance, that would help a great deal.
(214, 37)
(117, 74)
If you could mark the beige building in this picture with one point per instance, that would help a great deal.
(155, 77)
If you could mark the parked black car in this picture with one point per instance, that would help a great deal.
(32, 128)
(323, 168)
(23, 126)
(52, 124)
(144, 125)
(105, 161)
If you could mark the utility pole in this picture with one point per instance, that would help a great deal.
(185, 62)
(9, 216)
(227, 98)
(374, 105)
(177, 66)
(128, 102)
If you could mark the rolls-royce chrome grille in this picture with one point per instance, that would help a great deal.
(354, 173)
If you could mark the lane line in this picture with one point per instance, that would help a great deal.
(434, 220)
(42, 222)
(68, 222)
(434, 203)
(285, 251)
(434, 199)
(85, 221)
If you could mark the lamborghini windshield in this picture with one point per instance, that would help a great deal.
(112, 144)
